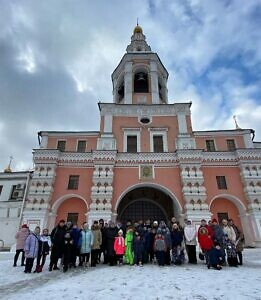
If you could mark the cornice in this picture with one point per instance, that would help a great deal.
(182, 157)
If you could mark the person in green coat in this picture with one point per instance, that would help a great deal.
(129, 246)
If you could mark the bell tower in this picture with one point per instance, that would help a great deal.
(140, 77)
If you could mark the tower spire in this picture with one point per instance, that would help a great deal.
(235, 120)
(8, 168)
(138, 40)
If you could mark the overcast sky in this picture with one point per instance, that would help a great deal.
(56, 59)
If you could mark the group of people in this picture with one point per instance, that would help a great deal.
(132, 243)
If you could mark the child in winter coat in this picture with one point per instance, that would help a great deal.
(119, 247)
(129, 246)
(21, 236)
(160, 248)
(239, 248)
(68, 251)
(44, 248)
(31, 249)
(138, 249)
(216, 257)
(230, 251)
(177, 244)
(85, 245)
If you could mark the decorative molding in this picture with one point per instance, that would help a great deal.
(226, 133)
(248, 154)
(146, 172)
(148, 157)
(143, 109)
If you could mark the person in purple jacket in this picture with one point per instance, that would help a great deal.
(31, 249)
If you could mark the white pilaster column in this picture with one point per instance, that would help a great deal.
(247, 230)
(44, 141)
(255, 219)
(154, 83)
(128, 83)
(183, 128)
(248, 140)
(107, 124)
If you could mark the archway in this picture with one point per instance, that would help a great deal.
(147, 202)
(223, 207)
(72, 209)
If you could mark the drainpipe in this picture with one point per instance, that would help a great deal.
(24, 198)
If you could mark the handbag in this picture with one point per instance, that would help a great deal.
(201, 256)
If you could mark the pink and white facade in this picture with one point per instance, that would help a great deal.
(146, 161)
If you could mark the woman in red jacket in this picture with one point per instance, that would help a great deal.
(205, 239)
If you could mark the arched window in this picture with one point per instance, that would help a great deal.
(120, 93)
(141, 84)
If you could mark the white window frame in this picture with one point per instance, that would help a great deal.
(76, 149)
(131, 132)
(235, 142)
(62, 140)
(163, 133)
(215, 144)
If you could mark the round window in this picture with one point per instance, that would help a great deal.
(145, 120)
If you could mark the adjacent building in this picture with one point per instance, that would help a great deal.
(13, 189)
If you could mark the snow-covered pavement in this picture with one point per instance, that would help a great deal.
(148, 282)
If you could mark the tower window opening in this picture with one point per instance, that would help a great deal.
(121, 93)
(141, 84)
(161, 93)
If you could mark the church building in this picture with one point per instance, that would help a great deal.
(146, 161)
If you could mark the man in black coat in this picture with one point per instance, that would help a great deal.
(110, 234)
(57, 238)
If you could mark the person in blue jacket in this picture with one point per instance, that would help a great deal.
(216, 257)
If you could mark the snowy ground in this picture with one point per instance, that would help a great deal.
(148, 282)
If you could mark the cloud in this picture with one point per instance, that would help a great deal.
(56, 58)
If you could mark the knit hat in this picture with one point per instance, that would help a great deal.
(214, 220)
(62, 221)
(24, 226)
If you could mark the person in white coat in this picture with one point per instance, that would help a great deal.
(190, 234)
(229, 230)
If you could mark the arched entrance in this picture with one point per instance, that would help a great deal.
(236, 210)
(222, 208)
(73, 209)
(147, 202)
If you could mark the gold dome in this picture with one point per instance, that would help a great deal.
(137, 29)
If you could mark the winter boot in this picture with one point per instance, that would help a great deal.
(37, 269)
(40, 269)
